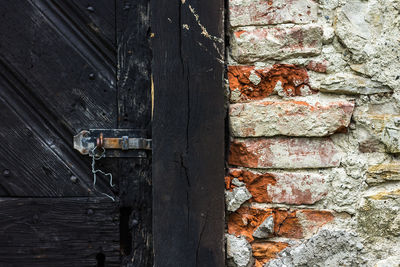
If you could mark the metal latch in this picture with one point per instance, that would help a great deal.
(112, 142)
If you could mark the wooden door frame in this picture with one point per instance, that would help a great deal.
(188, 132)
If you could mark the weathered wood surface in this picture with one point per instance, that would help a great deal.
(57, 77)
(134, 111)
(188, 133)
(65, 67)
(58, 232)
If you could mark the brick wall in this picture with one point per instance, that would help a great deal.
(314, 111)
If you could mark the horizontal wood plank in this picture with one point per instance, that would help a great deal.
(59, 232)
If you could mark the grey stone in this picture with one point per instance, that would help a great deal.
(347, 83)
(325, 249)
(238, 251)
(393, 261)
(265, 229)
(236, 197)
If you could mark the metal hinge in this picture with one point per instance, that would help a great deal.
(112, 143)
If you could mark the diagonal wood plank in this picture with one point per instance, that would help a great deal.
(24, 174)
(65, 72)
(44, 108)
(89, 24)
(97, 16)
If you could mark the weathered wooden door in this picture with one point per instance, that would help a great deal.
(66, 66)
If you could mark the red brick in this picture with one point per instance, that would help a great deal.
(266, 251)
(293, 153)
(318, 66)
(287, 188)
(287, 223)
(293, 79)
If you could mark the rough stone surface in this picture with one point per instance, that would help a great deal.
(370, 30)
(292, 153)
(345, 190)
(325, 249)
(393, 261)
(238, 251)
(236, 197)
(249, 83)
(261, 12)
(382, 173)
(299, 117)
(251, 44)
(347, 83)
(325, 195)
(386, 128)
(282, 187)
(379, 215)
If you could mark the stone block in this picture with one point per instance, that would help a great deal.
(262, 12)
(239, 252)
(347, 83)
(284, 153)
(300, 117)
(250, 44)
(379, 216)
(384, 172)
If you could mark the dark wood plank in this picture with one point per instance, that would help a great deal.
(35, 158)
(46, 57)
(58, 232)
(134, 109)
(68, 74)
(98, 16)
(188, 133)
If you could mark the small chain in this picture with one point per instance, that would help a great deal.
(95, 171)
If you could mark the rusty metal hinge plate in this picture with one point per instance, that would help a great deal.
(112, 142)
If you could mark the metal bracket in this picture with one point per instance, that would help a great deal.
(112, 142)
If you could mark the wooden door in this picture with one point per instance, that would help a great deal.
(66, 66)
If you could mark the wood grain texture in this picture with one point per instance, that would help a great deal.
(188, 133)
(36, 151)
(98, 18)
(67, 73)
(58, 232)
(134, 112)
(57, 76)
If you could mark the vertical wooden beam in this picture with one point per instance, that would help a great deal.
(134, 112)
(188, 132)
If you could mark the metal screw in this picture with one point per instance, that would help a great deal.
(90, 8)
(74, 179)
(6, 173)
(91, 76)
